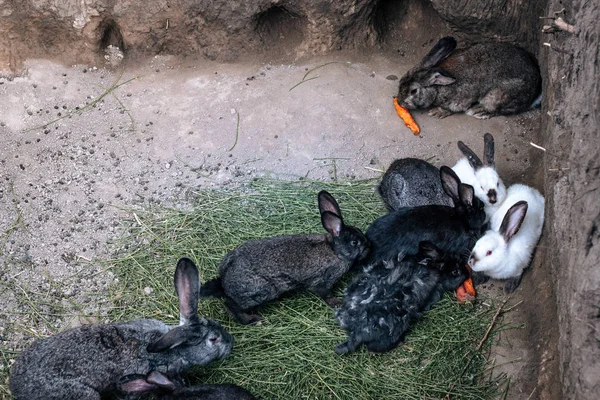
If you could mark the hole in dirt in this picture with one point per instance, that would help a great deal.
(406, 25)
(277, 27)
(387, 15)
(110, 35)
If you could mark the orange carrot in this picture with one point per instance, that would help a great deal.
(468, 284)
(408, 120)
(462, 293)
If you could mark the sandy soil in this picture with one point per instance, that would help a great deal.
(173, 128)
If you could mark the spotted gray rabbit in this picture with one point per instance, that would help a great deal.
(483, 80)
(262, 270)
(382, 303)
(90, 361)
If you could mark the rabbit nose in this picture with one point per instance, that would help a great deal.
(492, 196)
(472, 260)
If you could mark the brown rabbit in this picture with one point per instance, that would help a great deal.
(483, 80)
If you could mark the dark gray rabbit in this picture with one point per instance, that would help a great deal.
(89, 361)
(483, 80)
(170, 389)
(382, 303)
(259, 271)
(453, 229)
(411, 182)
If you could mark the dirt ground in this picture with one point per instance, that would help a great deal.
(174, 125)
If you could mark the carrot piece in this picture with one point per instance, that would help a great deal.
(462, 294)
(468, 285)
(408, 120)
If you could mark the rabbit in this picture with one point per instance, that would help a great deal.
(259, 271)
(170, 389)
(483, 80)
(505, 250)
(381, 303)
(89, 361)
(411, 182)
(453, 229)
(483, 176)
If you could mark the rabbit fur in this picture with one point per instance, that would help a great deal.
(453, 229)
(483, 176)
(86, 362)
(381, 303)
(505, 250)
(483, 80)
(259, 271)
(411, 182)
(170, 389)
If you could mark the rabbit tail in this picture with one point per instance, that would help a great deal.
(212, 288)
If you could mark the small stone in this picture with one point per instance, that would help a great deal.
(391, 78)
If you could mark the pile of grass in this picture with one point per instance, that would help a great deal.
(291, 354)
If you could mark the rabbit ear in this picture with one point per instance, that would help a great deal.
(135, 385)
(332, 223)
(488, 150)
(439, 77)
(474, 161)
(513, 219)
(450, 182)
(187, 286)
(429, 250)
(466, 194)
(442, 49)
(173, 338)
(328, 203)
(160, 380)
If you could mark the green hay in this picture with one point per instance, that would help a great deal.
(291, 355)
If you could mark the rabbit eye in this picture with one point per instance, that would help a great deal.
(498, 184)
(488, 253)
(354, 243)
(213, 339)
(413, 91)
(455, 272)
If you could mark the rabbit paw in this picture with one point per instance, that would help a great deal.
(478, 112)
(512, 284)
(333, 302)
(439, 112)
(479, 278)
(342, 348)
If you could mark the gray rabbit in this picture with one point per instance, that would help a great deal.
(172, 389)
(411, 182)
(259, 271)
(483, 80)
(89, 361)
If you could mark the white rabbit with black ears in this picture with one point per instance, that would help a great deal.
(482, 175)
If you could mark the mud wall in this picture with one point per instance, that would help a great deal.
(572, 140)
(80, 30)
(76, 31)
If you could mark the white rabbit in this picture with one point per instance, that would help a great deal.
(482, 175)
(506, 249)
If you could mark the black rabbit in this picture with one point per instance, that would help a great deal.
(173, 389)
(453, 229)
(259, 271)
(381, 304)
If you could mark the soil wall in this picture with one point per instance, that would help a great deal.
(572, 168)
